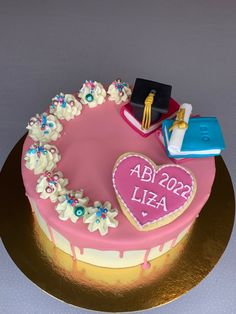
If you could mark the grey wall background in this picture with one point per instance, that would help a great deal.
(52, 46)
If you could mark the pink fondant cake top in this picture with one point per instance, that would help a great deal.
(90, 145)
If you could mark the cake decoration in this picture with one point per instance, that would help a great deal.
(202, 138)
(119, 91)
(178, 132)
(92, 94)
(149, 105)
(41, 158)
(151, 196)
(44, 128)
(179, 120)
(51, 185)
(147, 112)
(127, 114)
(72, 205)
(101, 217)
(65, 106)
(160, 103)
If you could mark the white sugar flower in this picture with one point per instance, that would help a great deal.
(101, 217)
(41, 158)
(92, 94)
(72, 205)
(119, 91)
(44, 128)
(51, 185)
(65, 106)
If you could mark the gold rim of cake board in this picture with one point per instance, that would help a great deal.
(113, 290)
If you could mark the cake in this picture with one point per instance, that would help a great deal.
(101, 192)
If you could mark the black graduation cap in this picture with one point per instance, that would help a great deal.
(141, 90)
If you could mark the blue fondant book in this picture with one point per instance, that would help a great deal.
(203, 138)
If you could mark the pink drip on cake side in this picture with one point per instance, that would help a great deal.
(73, 252)
(121, 254)
(173, 243)
(72, 247)
(146, 263)
(161, 246)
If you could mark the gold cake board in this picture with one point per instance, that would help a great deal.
(113, 290)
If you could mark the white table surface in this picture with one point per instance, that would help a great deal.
(52, 46)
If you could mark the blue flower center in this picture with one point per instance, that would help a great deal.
(89, 97)
(101, 213)
(79, 211)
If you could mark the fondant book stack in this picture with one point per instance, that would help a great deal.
(203, 138)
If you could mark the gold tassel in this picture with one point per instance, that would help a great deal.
(147, 112)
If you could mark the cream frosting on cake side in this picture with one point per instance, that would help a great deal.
(89, 148)
(108, 258)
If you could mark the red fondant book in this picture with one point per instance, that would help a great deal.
(126, 112)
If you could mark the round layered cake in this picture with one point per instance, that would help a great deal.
(68, 169)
